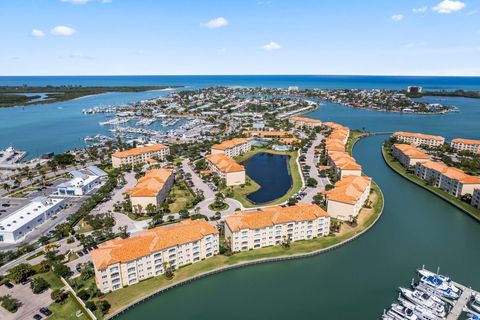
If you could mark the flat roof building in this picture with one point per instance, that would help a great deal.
(82, 182)
(122, 262)
(17, 225)
(270, 226)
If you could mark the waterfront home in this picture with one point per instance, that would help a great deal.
(452, 180)
(17, 225)
(299, 122)
(82, 182)
(408, 155)
(139, 155)
(347, 198)
(254, 229)
(333, 145)
(227, 168)
(267, 134)
(344, 164)
(233, 147)
(121, 262)
(151, 189)
(476, 198)
(460, 144)
(419, 138)
(338, 133)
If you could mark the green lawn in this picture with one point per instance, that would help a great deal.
(397, 167)
(353, 138)
(52, 279)
(240, 193)
(182, 197)
(67, 310)
(125, 296)
(38, 254)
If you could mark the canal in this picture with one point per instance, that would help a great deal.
(360, 279)
(272, 173)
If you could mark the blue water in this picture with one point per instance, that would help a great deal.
(60, 126)
(271, 173)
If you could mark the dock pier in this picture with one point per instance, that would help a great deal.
(462, 301)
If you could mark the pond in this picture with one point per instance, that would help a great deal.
(272, 173)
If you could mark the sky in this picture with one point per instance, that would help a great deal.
(216, 37)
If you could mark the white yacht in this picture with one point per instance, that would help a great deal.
(431, 302)
(475, 302)
(441, 284)
(421, 312)
(402, 312)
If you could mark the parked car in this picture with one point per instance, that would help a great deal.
(37, 317)
(25, 281)
(46, 311)
(9, 285)
(80, 253)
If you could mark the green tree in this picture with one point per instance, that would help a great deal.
(38, 285)
(9, 303)
(103, 306)
(123, 232)
(62, 270)
(58, 295)
(20, 272)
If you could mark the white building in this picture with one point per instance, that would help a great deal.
(466, 145)
(17, 225)
(476, 198)
(233, 147)
(419, 138)
(271, 226)
(83, 182)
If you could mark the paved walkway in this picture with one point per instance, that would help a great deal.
(312, 161)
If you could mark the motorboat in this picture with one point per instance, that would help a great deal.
(402, 311)
(440, 283)
(421, 312)
(436, 305)
(475, 302)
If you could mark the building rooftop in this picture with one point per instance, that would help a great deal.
(466, 141)
(151, 184)
(305, 120)
(277, 134)
(138, 151)
(36, 208)
(419, 135)
(451, 172)
(349, 189)
(224, 163)
(344, 161)
(150, 241)
(411, 151)
(290, 140)
(228, 144)
(265, 217)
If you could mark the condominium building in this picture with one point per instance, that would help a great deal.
(290, 142)
(122, 262)
(267, 134)
(299, 122)
(347, 198)
(338, 137)
(344, 164)
(227, 168)
(151, 189)
(233, 147)
(476, 198)
(419, 138)
(452, 180)
(140, 155)
(466, 145)
(333, 145)
(82, 182)
(270, 226)
(14, 227)
(408, 155)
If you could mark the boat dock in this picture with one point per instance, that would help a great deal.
(461, 303)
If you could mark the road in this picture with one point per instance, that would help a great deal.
(312, 161)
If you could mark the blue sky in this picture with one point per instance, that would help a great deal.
(120, 37)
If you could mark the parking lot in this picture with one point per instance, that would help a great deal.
(31, 303)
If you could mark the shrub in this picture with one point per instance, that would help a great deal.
(91, 305)
(38, 285)
(9, 303)
(20, 272)
(58, 295)
(103, 306)
(83, 294)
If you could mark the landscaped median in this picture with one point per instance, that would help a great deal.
(398, 168)
(125, 298)
(239, 192)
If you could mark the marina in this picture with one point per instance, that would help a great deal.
(434, 297)
(11, 156)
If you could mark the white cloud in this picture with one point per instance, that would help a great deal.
(449, 6)
(37, 33)
(271, 46)
(216, 23)
(62, 31)
(397, 17)
(420, 10)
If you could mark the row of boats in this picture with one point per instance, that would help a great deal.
(432, 298)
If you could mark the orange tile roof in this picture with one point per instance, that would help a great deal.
(305, 120)
(265, 217)
(151, 184)
(138, 151)
(224, 163)
(147, 242)
(228, 144)
(290, 140)
(411, 151)
(252, 133)
(344, 161)
(451, 172)
(349, 189)
(334, 145)
(466, 141)
(418, 135)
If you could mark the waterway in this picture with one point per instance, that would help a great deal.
(356, 281)
(272, 173)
